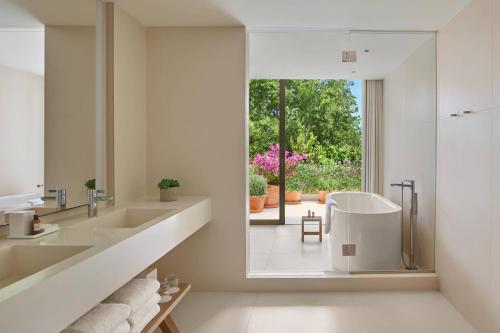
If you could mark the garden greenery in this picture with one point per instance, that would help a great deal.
(322, 127)
(257, 185)
(167, 183)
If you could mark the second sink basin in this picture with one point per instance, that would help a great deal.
(129, 217)
(20, 261)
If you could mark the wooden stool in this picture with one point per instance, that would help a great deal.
(315, 233)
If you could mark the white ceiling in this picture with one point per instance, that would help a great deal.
(317, 55)
(255, 14)
(37, 13)
(271, 14)
(22, 50)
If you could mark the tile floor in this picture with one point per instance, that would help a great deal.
(280, 249)
(355, 312)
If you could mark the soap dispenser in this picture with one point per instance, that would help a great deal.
(36, 225)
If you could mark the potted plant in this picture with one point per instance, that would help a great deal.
(258, 193)
(268, 165)
(326, 185)
(168, 189)
(90, 184)
(293, 194)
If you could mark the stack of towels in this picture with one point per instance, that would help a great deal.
(128, 310)
(104, 318)
(141, 295)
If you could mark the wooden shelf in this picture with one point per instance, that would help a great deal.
(163, 320)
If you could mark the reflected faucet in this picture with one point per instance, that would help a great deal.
(93, 196)
(412, 265)
(60, 198)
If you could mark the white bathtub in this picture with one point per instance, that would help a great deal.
(373, 224)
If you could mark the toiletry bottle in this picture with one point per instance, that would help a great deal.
(36, 227)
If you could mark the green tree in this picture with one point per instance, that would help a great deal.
(321, 119)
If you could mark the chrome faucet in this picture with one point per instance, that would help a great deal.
(60, 198)
(93, 196)
(412, 265)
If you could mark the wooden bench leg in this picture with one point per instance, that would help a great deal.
(302, 231)
(320, 231)
(168, 325)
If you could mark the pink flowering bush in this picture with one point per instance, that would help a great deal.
(268, 164)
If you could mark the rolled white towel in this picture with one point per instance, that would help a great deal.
(135, 293)
(150, 314)
(123, 328)
(136, 316)
(103, 318)
(329, 211)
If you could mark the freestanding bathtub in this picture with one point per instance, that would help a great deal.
(370, 222)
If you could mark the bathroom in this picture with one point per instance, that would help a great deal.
(134, 103)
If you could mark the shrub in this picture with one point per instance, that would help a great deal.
(294, 183)
(307, 177)
(257, 185)
(268, 164)
(332, 176)
(167, 183)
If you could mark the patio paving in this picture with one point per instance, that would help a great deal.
(293, 213)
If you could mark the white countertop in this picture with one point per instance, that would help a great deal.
(49, 300)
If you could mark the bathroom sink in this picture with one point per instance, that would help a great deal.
(20, 261)
(129, 217)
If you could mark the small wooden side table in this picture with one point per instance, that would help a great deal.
(313, 233)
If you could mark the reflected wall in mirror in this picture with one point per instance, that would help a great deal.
(47, 101)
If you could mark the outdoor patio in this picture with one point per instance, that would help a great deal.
(293, 213)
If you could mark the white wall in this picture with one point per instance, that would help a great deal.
(468, 218)
(70, 110)
(21, 131)
(196, 126)
(129, 107)
(409, 130)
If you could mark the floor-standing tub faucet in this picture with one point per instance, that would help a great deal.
(413, 222)
(93, 196)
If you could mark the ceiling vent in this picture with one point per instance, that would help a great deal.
(348, 56)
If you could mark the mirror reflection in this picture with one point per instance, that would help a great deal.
(47, 105)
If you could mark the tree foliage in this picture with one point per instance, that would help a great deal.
(321, 119)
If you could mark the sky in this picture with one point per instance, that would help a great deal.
(357, 92)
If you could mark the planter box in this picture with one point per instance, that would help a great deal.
(169, 194)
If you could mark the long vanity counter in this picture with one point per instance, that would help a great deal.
(48, 282)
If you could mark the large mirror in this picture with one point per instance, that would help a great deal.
(47, 103)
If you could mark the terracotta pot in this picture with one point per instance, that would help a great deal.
(273, 196)
(322, 196)
(257, 203)
(292, 197)
(169, 194)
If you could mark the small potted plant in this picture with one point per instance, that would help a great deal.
(168, 189)
(90, 184)
(293, 193)
(258, 193)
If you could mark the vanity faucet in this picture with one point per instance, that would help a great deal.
(93, 196)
